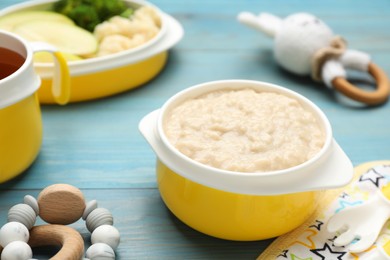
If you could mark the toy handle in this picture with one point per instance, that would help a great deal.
(61, 79)
(376, 97)
(70, 241)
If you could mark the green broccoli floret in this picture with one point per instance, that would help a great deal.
(106, 8)
(85, 16)
(127, 13)
(89, 13)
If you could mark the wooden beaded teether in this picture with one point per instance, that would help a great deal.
(58, 205)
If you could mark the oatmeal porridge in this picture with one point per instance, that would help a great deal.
(244, 130)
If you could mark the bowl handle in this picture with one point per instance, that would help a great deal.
(336, 172)
(61, 79)
(147, 127)
(333, 171)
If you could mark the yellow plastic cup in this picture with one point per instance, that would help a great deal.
(20, 116)
(237, 205)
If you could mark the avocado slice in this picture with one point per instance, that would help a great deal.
(67, 38)
(9, 21)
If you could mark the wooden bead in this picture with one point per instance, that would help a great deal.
(100, 251)
(16, 250)
(61, 204)
(32, 202)
(90, 206)
(70, 241)
(106, 234)
(22, 213)
(13, 231)
(98, 217)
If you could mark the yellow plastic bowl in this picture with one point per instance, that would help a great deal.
(236, 205)
(108, 75)
(230, 215)
(108, 82)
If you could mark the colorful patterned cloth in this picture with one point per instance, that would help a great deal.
(312, 241)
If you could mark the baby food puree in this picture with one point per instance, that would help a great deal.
(244, 130)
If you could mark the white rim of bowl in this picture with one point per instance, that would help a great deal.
(24, 92)
(274, 88)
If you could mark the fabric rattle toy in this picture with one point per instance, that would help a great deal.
(305, 45)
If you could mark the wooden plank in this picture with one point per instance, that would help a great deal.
(96, 145)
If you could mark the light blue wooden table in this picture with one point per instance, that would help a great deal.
(96, 145)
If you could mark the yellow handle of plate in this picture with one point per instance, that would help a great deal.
(386, 192)
(61, 78)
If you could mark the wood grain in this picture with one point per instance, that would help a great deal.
(96, 145)
(61, 204)
(69, 240)
(372, 97)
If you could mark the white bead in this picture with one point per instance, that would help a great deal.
(32, 202)
(98, 217)
(91, 205)
(106, 234)
(17, 250)
(24, 214)
(13, 231)
(100, 251)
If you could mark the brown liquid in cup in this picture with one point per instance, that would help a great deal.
(10, 62)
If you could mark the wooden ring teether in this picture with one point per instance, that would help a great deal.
(70, 241)
(58, 204)
(376, 97)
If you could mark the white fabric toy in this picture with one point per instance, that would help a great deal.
(305, 45)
